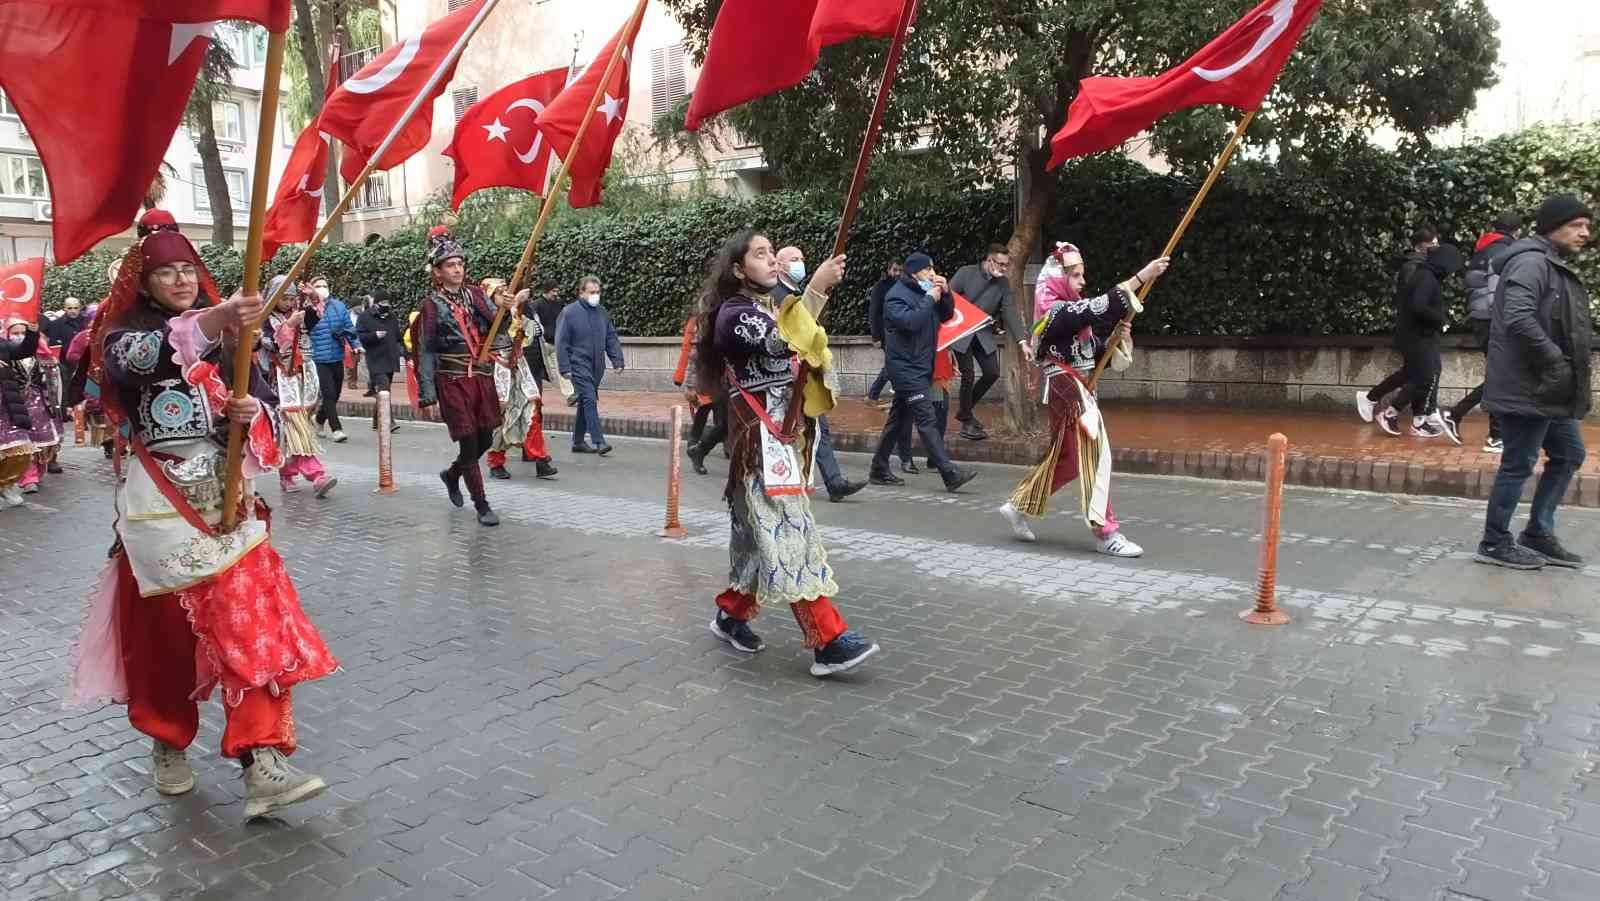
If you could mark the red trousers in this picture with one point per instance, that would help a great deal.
(819, 620)
(532, 444)
(158, 649)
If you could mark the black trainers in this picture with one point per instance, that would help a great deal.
(452, 484)
(973, 433)
(499, 472)
(582, 448)
(842, 654)
(910, 468)
(544, 469)
(885, 478)
(603, 449)
(1549, 547)
(487, 517)
(697, 459)
(1510, 555)
(837, 493)
(956, 477)
(737, 632)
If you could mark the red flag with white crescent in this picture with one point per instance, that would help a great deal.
(1237, 69)
(20, 285)
(498, 144)
(292, 218)
(967, 320)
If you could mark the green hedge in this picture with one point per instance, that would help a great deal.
(1304, 251)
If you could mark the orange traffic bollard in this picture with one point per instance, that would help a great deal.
(385, 446)
(674, 528)
(1266, 612)
(80, 429)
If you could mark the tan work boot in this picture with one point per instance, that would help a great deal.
(170, 768)
(271, 784)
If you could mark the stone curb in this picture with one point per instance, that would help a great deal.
(1321, 472)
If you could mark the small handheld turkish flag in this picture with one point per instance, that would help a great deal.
(1237, 69)
(20, 285)
(498, 143)
(967, 320)
(561, 119)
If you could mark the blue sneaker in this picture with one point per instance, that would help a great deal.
(738, 633)
(842, 654)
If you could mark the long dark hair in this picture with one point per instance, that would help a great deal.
(721, 284)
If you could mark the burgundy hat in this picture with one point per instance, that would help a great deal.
(154, 221)
(163, 248)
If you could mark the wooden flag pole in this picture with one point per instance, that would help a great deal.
(258, 218)
(525, 265)
(250, 284)
(1177, 235)
(869, 142)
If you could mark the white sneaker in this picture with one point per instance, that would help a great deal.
(322, 428)
(1494, 446)
(1426, 426)
(11, 497)
(1118, 545)
(1364, 406)
(271, 784)
(1447, 423)
(339, 437)
(1019, 523)
(170, 767)
(1389, 421)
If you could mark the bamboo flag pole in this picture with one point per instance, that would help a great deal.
(251, 283)
(1177, 235)
(529, 251)
(258, 214)
(869, 143)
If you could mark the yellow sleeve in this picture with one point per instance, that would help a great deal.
(800, 330)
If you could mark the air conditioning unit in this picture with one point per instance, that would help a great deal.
(44, 211)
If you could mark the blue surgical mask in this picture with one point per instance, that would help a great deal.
(797, 272)
(925, 285)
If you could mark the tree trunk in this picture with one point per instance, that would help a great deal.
(216, 183)
(1038, 196)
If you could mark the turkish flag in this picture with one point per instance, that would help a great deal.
(760, 47)
(968, 319)
(1237, 69)
(497, 142)
(368, 106)
(101, 86)
(561, 119)
(292, 218)
(20, 285)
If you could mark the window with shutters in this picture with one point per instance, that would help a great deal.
(668, 79)
(464, 98)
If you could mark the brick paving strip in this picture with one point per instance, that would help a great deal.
(1326, 449)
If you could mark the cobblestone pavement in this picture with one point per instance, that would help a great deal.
(1042, 723)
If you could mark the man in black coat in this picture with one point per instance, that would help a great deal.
(1423, 239)
(1541, 341)
(59, 332)
(912, 312)
(1482, 278)
(987, 286)
(379, 331)
(1419, 321)
(880, 292)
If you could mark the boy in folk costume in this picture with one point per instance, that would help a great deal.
(286, 355)
(183, 610)
(516, 352)
(455, 318)
(1067, 348)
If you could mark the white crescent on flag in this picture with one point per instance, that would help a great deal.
(1281, 14)
(538, 136)
(393, 69)
(29, 288)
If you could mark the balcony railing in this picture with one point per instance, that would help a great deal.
(351, 63)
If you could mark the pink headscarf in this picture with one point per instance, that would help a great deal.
(1055, 286)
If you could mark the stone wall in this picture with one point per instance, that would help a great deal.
(1234, 372)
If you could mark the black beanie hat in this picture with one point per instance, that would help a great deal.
(1558, 210)
(1506, 223)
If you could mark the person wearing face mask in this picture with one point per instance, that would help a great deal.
(379, 331)
(915, 307)
(987, 286)
(181, 610)
(585, 339)
(334, 332)
(774, 360)
(1069, 341)
(791, 275)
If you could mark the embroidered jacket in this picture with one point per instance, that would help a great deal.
(1067, 333)
(450, 328)
(748, 337)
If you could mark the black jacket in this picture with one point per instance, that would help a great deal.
(548, 312)
(880, 292)
(1419, 311)
(993, 297)
(1541, 338)
(911, 334)
(13, 381)
(383, 354)
(61, 330)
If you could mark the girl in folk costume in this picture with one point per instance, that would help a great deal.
(78, 357)
(518, 389)
(1067, 347)
(183, 610)
(40, 381)
(776, 363)
(16, 417)
(455, 318)
(286, 354)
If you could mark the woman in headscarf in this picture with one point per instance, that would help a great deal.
(184, 609)
(286, 353)
(1067, 346)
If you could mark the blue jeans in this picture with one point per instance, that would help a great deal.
(1524, 436)
(587, 418)
(832, 476)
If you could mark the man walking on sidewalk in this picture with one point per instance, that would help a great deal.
(334, 332)
(1423, 239)
(1540, 340)
(585, 339)
(880, 292)
(986, 286)
(1483, 276)
(1419, 322)
(915, 307)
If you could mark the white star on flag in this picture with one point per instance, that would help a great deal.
(497, 131)
(612, 109)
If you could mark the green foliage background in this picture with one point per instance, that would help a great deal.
(1275, 251)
